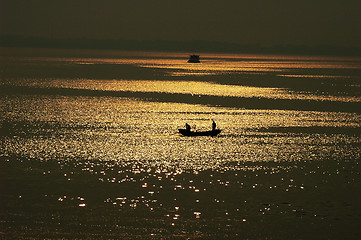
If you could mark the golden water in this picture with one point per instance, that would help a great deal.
(84, 165)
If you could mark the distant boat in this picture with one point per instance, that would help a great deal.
(189, 133)
(193, 59)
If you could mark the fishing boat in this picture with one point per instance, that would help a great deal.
(194, 59)
(189, 133)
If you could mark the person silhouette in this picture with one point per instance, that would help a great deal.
(188, 128)
(213, 125)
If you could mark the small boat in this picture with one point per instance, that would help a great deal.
(194, 59)
(189, 133)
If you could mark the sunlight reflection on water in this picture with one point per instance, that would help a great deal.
(121, 156)
(135, 132)
(182, 87)
(219, 65)
(118, 168)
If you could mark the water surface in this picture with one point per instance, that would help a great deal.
(90, 149)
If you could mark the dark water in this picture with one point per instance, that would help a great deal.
(90, 149)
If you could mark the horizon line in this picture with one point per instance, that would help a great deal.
(174, 45)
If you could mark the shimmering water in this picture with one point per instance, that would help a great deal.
(90, 149)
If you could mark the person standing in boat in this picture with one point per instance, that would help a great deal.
(213, 125)
(188, 128)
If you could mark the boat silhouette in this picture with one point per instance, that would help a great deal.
(189, 133)
(194, 59)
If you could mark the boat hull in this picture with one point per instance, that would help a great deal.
(193, 59)
(213, 133)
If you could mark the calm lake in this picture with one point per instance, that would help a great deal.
(90, 149)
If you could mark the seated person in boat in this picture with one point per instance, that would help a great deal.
(213, 125)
